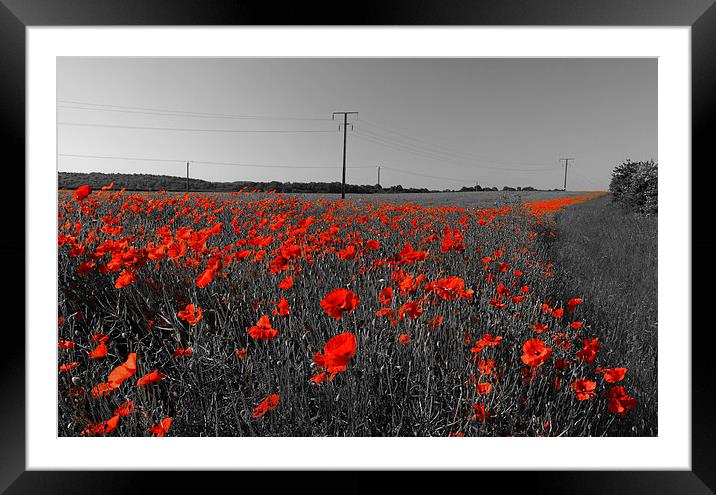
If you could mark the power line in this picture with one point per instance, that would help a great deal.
(178, 113)
(186, 129)
(205, 162)
(436, 157)
(447, 150)
(426, 175)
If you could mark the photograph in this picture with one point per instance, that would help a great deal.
(357, 247)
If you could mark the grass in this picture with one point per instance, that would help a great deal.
(609, 254)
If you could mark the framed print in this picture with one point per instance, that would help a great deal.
(423, 239)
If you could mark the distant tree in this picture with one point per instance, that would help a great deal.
(508, 188)
(635, 185)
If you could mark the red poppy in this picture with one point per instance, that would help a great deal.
(125, 278)
(263, 330)
(82, 192)
(386, 296)
(150, 378)
(339, 301)
(286, 283)
(188, 352)
(584, 388)
(103, 427)
(405, 338)
(191, 314)
(589, 351)
(268, 404)
(123, 371)
(481, 413)
(483, 388)
(573, 303)
(282, 308)
(65, 344)
(410, 308)
(98, 352)
(241, 353)
(539, 328)
(558, 313)
(535, 353)
(162, 428)
(613, 375)
(576, 325)
(619, 401)
(435, 322)
(64, 368)
(125, 409)
(337, 352)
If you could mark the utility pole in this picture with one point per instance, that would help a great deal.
(378, 175)
(187, 176)
(345, 124)
(566, 162)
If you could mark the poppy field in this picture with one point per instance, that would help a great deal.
(261, 314)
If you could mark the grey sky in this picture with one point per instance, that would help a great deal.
(493, 121)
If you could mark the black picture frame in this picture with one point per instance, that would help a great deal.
(17, 15)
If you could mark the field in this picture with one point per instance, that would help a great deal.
(253, 314)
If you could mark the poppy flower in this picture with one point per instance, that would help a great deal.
(82, 192)
(535, 353)
(117, 376)
(162, 428)
(205, 278)
(150, 378)
(486, 367)
(584, 388)
(98, 352)
(125, 278)
(123, 371)
(576, 325)
(339, 301)
(337, 352)
(487, 340)
(241, 353)
(386, 296)
(483, 388)
(103, 427)
(435, 322)
(558, 313)
(188, 352)
(286, 283)
(410, 308)
(451, 288)
(65, 344)
(480, 413)
(124, 409)
(64, 368)
(263, 330)
(282, 307)
(612, 375)
(266, 405)
(589, 351)
(619, 401)
(573, 303)
(405, 338)
(191, 314)
(539, 328)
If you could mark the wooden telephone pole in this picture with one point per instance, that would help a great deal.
(345, 125)
(566, 162)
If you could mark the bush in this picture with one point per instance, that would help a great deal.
(635, 185)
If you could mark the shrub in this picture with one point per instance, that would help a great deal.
(635, 185)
